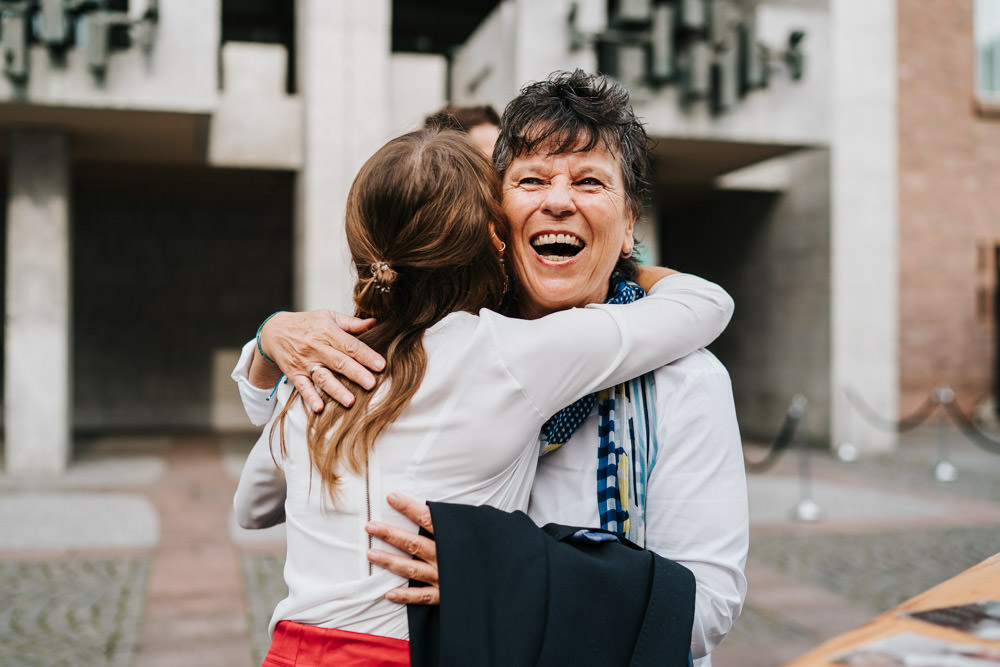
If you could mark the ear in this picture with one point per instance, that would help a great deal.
(629, 241)
(498, 245)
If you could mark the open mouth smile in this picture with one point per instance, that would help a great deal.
(557, 247)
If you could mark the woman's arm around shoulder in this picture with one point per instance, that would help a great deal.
(571, 353)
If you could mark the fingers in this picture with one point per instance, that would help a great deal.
(354, 325)
(334, 360)
(345, 341)
(333, 387)
(312, 348)
(421, 562)
(414, 510)
(414, 595)
(408, 542)
(308, 392)
(407, 568)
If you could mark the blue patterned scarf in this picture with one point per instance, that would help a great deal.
(627, 443)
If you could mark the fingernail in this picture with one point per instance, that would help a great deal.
(392, 497)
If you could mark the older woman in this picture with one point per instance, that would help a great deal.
(573, 158)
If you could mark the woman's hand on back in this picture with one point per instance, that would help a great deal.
(320, 341)
(421, 564)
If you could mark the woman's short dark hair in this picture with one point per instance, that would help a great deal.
(575, 112)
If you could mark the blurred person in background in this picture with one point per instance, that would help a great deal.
(480, 122)
(573, 160)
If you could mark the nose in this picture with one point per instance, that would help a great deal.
(559, 201)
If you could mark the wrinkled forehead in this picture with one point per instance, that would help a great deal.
(546, 139)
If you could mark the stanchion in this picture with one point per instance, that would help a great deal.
(944, 470)
(806, 509)
(847, 452)
(793, 415)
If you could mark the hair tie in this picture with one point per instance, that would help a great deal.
(383, 275)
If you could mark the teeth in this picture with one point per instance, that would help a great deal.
(546, 239)
(555, 258)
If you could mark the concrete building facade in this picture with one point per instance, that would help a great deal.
(169, 187)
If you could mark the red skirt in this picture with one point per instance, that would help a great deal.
(301, 645)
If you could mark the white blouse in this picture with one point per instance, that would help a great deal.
(469, 435)
(696, 496)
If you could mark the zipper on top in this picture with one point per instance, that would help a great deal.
(368, 510)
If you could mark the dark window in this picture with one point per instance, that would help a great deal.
(987, 32)
(268, 21)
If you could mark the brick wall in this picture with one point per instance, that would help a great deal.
(949, 196)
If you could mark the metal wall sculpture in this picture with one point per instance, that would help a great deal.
(708, 48)
(97, 26)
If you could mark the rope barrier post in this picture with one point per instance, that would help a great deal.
(806, 509)
(944, 471)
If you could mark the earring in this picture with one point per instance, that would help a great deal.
(503, 266)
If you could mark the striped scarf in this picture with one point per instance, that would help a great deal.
(627, 443)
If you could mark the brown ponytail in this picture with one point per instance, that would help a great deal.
(418, 227)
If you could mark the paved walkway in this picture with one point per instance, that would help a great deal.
(132, 557)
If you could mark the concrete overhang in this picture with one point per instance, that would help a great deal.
(115, 135)
(685, 169)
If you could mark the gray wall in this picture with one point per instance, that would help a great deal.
(772, 252)
(169, 265)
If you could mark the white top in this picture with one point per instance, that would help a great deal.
(470, 435)
(696, 498)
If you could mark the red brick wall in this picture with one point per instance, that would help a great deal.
(949, 206)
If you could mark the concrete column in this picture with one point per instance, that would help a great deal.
(343, 63)
(37, 383)
(864, 236)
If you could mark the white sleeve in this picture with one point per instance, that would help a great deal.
(258, 403)
(566, 355)
(259, 501)
(696, 501)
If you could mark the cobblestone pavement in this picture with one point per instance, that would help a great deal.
(877, 571)
(874, 571)
(71, 612)
(822, 579)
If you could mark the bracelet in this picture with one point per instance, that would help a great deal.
(259, 347)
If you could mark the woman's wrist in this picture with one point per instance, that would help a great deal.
(260, 345)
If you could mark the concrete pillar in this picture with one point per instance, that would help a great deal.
(37, 383)
(864, 235)
(343, 63)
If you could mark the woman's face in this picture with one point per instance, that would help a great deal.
(569, 222)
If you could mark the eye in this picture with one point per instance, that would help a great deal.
(530, 181)
(590, 182)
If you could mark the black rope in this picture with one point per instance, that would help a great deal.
(971, 431)
(908, 423)
(792, 418)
